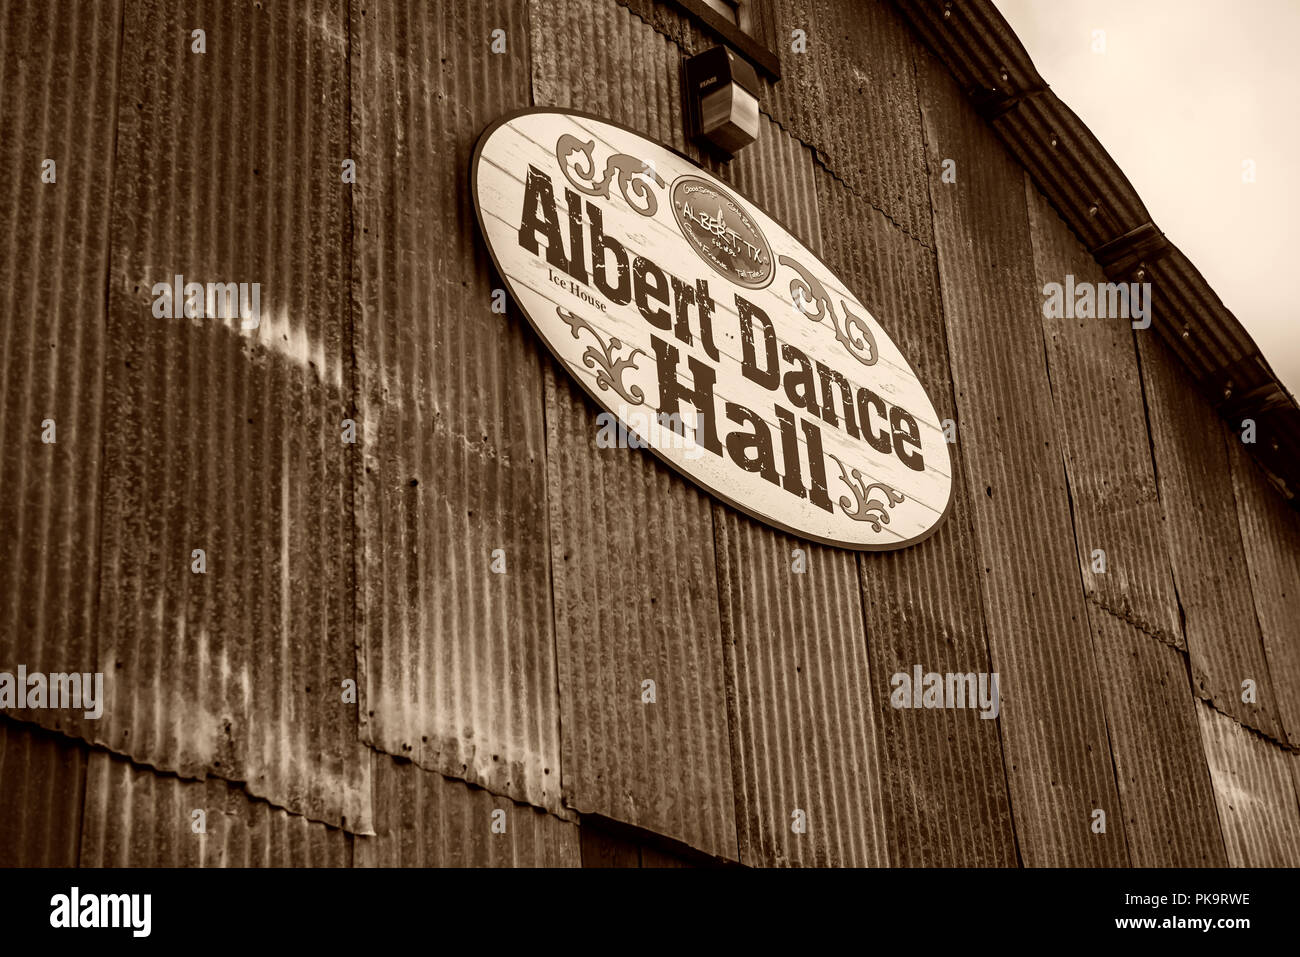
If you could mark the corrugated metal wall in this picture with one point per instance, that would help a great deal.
(1255, 793)
(944, 779)
(423, 819)
(1270, 535)
(459, 662)
(1131, 606)
(1053, 723)
(636, 595)
(58, 104)
(1209, 562)
(498, 715)
(225, 439)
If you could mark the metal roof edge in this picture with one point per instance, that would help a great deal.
(1091, 193)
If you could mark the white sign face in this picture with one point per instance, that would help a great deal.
(717, 339)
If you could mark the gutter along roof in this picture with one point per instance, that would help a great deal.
(1092, 194)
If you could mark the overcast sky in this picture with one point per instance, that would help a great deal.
(1185, 91)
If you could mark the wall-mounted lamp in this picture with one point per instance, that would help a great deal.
(722, 99)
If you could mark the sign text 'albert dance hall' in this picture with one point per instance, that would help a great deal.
(711, 332)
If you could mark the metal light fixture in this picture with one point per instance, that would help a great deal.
(722, 99)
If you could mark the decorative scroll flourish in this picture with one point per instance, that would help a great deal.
(864, 507)
(853, 333)
(631, 173)
(609, 369)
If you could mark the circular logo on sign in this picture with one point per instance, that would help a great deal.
(720, 230)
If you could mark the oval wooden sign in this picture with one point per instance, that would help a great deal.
(720, 342)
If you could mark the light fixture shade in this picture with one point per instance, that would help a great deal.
(729, 117)
(721, 92)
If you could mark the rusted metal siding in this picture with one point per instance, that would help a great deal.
(1101, 427)
(798, 685)
(851, 96)
(328, 561)
(1270, 533)
(58, 87)
(608, 850)
(1165, 791)
(1254, 788)
(1160, 766)
(1217, 350)
(460, 660)
(945, 792)
(228, 440)
(780, 174)
(137, 817)
(636, 602)
(847, 94)
(799, 689)
(423, 819)
(1061, 169)
(601, 58)
(1052, 718)
(1209, 563)
(1066, 161)
(632, 552)
(972, 36)
(42, 786)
